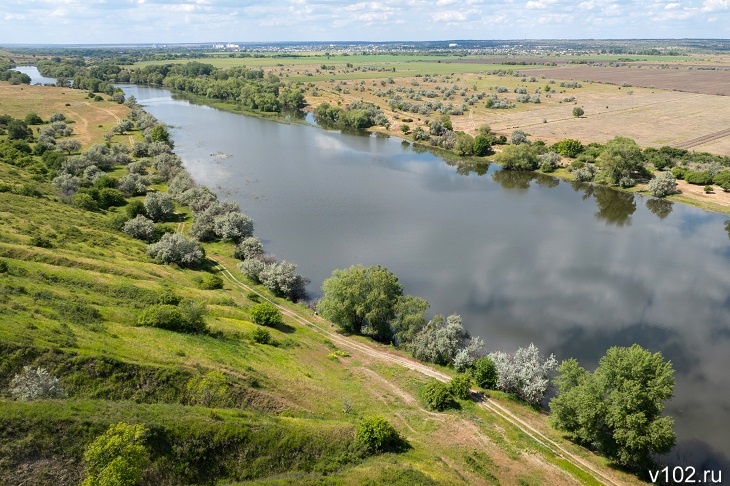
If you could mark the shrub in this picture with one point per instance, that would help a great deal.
(626, 182)
(679, 172)
(377, 435)
(460, 386)
(109, 197)
(141, 228)
(584, 174)
(134, 209)
(437, 395)
(209, 281)
(261, 335)
(708, 189)
(233, 226)
(722, 179)
(663, 185)
(699, 178)
(35, 384)
(438, 341)
(186, 317)
(117, 457)
(578, 111)
(133, 185)
(525, 373)
(208, 390)
(518, 137)
(265, 314)
(175, 248)
(549, 161)
(484, 373)
(4, 266)
(40, 241)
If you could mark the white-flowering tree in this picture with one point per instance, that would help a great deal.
(247, 248)
(158, 206)
(35, 384)
(67, 184)
(175, 248)
(141, 228)
(663, 184)
(525, 373)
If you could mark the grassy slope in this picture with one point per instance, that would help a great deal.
(283, 417)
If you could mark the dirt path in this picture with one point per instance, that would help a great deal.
(703, 139)
(116, 117)
(318, 325)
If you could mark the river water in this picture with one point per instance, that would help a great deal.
(573, 268)
(35, 75)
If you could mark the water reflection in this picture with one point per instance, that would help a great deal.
(614, 207)
(661, 207)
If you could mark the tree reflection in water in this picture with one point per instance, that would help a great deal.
(660, 207)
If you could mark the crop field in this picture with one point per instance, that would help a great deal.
(679, 101)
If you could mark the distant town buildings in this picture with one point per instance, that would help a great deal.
(227, 47)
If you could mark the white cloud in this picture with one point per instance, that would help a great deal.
(715, 5)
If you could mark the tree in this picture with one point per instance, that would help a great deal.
(18, 130)
(437, 395)
(158, 206)
(439, 340)
(405, 128)
(233, 226)
(122, 127)
(620, 157)
(518, 157)
(117, 457)
(33, 119)
(482, 144)
(618, 408)
(518, 137)
(464, 144)
(35, 384)
(160, 134)
(282, 279)
(460, 386)
(67, 184)
(663, 184)
(265, 314)
(410, 317)
(175, 248)
(141, 228)
(68, 145)
(361, 299)
(578, 112)
(484, 373)
(524, 373)
(568, 147)
(250, 247)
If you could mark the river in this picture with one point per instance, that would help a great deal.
(35, 75)
(573, 268)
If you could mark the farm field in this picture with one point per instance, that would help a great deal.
(656, 100)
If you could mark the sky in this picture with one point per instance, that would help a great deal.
(196, 21)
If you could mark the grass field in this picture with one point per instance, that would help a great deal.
(290, 409)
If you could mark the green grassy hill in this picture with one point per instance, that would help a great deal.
(218, 406)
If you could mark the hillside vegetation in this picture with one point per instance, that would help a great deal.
(224, 404)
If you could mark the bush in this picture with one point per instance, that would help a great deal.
(709, 189)
(377, 435)
(35, 384)
(209, 281)
(679, 172)
(117, 457)
(437, 395)
(175, 248)
(134, 209)
(549, 161)
(109, 197)
(698, 178)
(141, 228)
(626, 182)
(584, 174)
(265, 314)
(186, 317)
(525, 373)
(261, 335)
(484, 373)
(568, 147)
(208, 390)
(460, 386)
(578, 111)
(722, 179)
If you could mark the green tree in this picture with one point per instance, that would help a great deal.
(484, 373)
(361, 299)
(377, 435)
(482, 144)
(18, 130)
(460, 386)
(464, 144)
(117, 457)
(568, 147)
(518, 157)
(410, 317)
(160, 134)
(618, 408)
(619, 158)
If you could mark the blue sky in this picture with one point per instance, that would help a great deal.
(169, 21)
